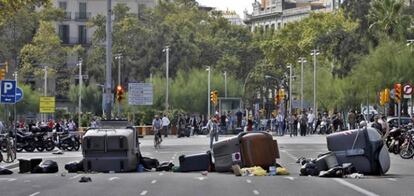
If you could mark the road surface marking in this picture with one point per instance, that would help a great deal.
(256, 192)
(113, 178)
(37, 193)
(171, 160)
(392, 179)
(14, 169)
(7, 179)
(248, 181)
(77, 176)
(160, 174)
(290, 155)
(154, 181)
(355, 187)
(290, 178)
(27, 181)
(144, 192)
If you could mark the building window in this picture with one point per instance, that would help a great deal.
(63, 5)
(64, 33)
(82, 34)
(82, 10)
(278, 25)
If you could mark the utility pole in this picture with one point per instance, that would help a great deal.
(410, 43)
(80, 94)
(108, 59)
(209, 90)
(118, 57)
(315, 52)
(302, 61)
(290, 88)
(225, 84)
(167, 56)
(44, 90)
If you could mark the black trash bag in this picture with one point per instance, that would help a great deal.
(348, 168)
(165, 166)
(149, 163)
(74, 167)
(85, 179)
(24, 166)
(309, 169)
(336, 172)
(5, 171)
(47, 166)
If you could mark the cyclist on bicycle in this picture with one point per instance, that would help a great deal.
(156, 126)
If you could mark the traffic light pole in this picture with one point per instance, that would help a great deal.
(108, 70)
(80, 94)
(208, 92)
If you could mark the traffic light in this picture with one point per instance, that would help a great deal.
(282, 94)
(382, 98)
(215, 101)
(119, 93)
(277, 99)
(397, 88)
(212, 96)
(386, 95)
(2, 73)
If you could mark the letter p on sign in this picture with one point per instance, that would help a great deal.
(7, 86)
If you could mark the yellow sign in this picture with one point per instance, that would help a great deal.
(47, 104)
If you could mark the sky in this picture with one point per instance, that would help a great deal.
(237, 5)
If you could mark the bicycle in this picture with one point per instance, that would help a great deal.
(157, 139)
(10, 151)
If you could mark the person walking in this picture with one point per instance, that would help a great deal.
(213, 129)
(351, 119)
(279, 119)
(165, 124)
(303, 120)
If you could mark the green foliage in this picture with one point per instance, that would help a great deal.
(30, 101)
(91, 98)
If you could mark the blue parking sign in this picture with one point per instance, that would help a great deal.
(8, 91)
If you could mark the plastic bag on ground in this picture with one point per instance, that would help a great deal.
(5, 171)
(253, 171)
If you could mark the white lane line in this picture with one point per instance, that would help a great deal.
(256, 192)
(290, 155)
(7, 179)
(27, 181)
(201, 178)
(160, 174)
(290, 178)
(392, 179)
(249, 181)
(355, 187)
(171, 160)
(77, 176)
(154, 181)
(33, 194)
(144, 192)
(113, 178)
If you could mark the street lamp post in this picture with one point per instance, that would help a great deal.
(315, 52)
(108, 70)
(44, 90)
(410, 43)
(225, 84)
(302, 61)
(118, 57)
(167, 56)
(209, 89)
(290, 66)
(80, 93)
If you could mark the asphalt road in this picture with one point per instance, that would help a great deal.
(398, 180)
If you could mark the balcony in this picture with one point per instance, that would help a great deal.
(67, 16)
(82, 16)
(69, 41)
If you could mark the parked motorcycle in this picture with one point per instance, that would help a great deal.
(25, 141)
(395, 139)
(407, 148)
(325, 126)
(67, 142)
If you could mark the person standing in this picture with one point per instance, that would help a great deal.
(279, 119)
(239, 116)
(165, 124)
(303, 120)
(351, 119)
(213, 129)
(311, 119)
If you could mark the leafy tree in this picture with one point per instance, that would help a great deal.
(9, 8)
(91, 98)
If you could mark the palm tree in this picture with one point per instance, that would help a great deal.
(386, 16)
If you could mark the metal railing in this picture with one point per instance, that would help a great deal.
(81, 16)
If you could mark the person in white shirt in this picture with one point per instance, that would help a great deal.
(311, 119)
(165, 124)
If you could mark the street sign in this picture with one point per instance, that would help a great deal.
(19, 94)
(47, 105)
(140, 94)
(408, 89)
(8, 91)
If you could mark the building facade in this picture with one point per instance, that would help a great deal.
(275, 14)
(73, 30)
(232, 17)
